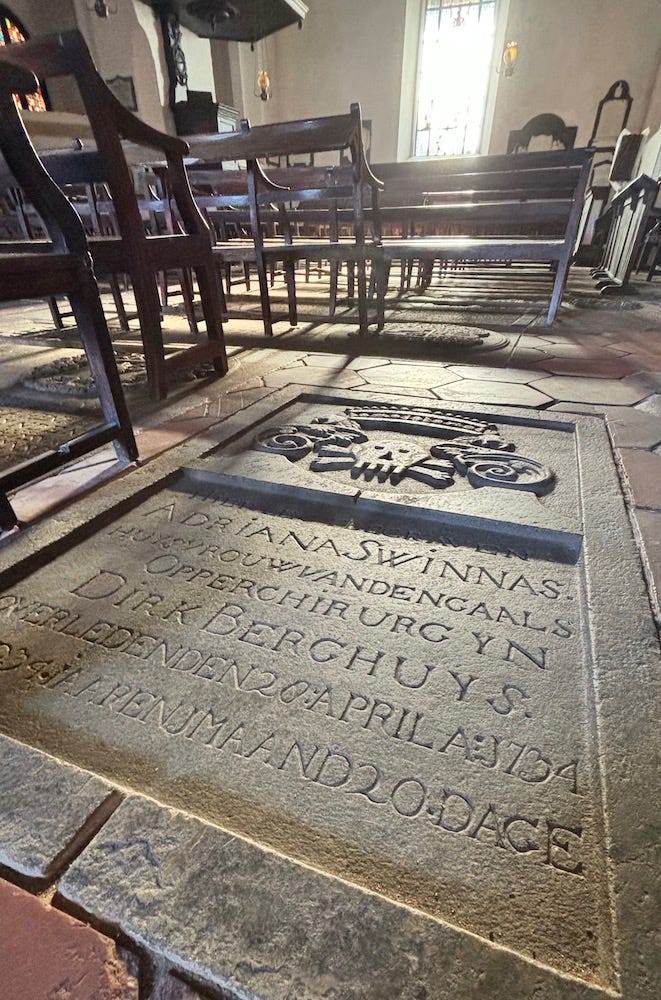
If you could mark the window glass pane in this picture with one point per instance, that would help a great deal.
(457, 46)
(10, 34)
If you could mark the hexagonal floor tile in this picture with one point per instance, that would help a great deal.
(339, 361)
(607, 366)
(487, 391)
(299, 375)
(592, 390)
(361, 364)
(496, 374)
(425, 376)
(629, 427)
(651, 405)
(643, 470)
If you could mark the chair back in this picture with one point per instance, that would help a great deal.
(66, 54)
(59, 217)
(547, 124)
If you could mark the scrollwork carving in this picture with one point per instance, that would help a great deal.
(459, 443)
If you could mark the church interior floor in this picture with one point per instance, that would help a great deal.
(454, 343)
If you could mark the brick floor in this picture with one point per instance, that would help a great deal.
(47, 955)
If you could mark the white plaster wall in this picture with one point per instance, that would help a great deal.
(198, 62)
(570, 52)
(348, 50)
(128, 44)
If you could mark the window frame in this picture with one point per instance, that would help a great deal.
(8, 14)
(410, 85)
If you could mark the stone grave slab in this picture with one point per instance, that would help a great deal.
(404, 646)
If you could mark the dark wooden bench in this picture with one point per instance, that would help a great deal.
(523, 208)
(132, 251)
(65, 268)
(629, 211)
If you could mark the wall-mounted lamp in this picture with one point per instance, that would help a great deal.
(102, 8)
(510, 55)
(264, 85)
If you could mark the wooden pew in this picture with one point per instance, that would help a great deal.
(67, 55)
(523, 208)
(629, 210)
(64, 268)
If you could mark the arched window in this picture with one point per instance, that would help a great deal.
(455, 61)
(11, 33)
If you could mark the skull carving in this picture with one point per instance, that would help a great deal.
(385, 461)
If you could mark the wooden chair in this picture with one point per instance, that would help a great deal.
(133, 251)
(352, 183)
(547, 124)
(223, 197)
(65, 268)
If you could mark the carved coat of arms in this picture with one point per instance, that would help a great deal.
(354, 442)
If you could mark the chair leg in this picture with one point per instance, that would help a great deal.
(212, 308)
(363, 322)
(119, 302)
(264, 295)
(55, 312)
(91, 322)
(189, 304)
(246, 275)
(334, 277)
(351, 277)
(8, 519)
(379, 280)
(290, 278)
(558, 289)
(151, 330)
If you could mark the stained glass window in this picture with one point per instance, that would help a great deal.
(12, 33)
(455, 60)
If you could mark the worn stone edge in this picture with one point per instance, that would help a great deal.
(529, 975)
(626, 675)
(60, 857)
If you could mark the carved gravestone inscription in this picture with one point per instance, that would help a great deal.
(360, 635)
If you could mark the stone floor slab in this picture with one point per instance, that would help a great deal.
(652, 405)
(301, 375)
(649, 524)
(491, 392)
(588, 390)
(643, 471)
(503, 374)
(629, 427)
(413, 376)
(459, 797)
(257, 925)
(46, 808)
(47, 955)
(170, 987)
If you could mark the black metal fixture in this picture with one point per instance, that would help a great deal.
(213, 11)
(102, 8)
(233, 20)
